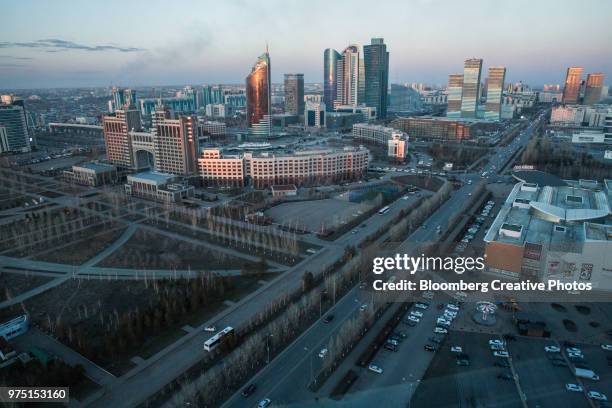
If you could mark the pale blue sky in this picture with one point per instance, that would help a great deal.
(55, 43)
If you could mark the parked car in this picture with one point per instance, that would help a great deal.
(323, 352)
(574, 387)
(363, 307)
(574, 350)
(264, 403)
(552, 349)
(597, 396)
(374, 368)
(414, 319)
(452, 307)
(390, 347)
(496, 341)
(429, 347)
(505, 376)
(456, 349)
(503, 354)
(440, 330)
(607, 347)
(416, 313)
(463, 362)
(421, 306)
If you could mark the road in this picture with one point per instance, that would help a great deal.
(278, 380)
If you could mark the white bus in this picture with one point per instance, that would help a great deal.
(215, 340)
(383, 210)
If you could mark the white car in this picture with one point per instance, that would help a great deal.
(444, 323)
(577, 356)
(416, 313)
(414, 319)
(456, 349)
(210, 329)
(363, 307)
(440, 330)
(264, 403)
(421, 306)
(452, 307)
(496, 347)
(450, 312)
(503, 354)
(607, 347)
(597, 396)
(552, 349)
(374, 368)
(323, 352)
(496, 341)
(573, 350)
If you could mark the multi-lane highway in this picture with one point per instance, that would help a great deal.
(286, 377)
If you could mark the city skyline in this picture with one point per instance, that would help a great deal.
(70, 46)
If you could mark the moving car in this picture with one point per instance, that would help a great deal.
(210, 328)
(328, 318)
(323, 352)
(374, 368)
(607, 347)
(574, 387)
(250, 389)
(363, 307)
(264, 403)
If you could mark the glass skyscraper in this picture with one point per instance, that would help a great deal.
(592, 90)
(495, 87)
(376, 75)
(294, 94)
(258, 94)
(347, 78)
(14, 135)
(455, 90)
(571, 91)
(472, 71)
(330, 64)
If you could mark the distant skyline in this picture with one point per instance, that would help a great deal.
(70, 44)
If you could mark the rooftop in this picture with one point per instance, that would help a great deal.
(151, 176)
(97, 167)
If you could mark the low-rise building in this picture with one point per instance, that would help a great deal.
(92, 174)
(395, 140)
(554, 232)
(223, 170)
(212, 128)
(158, 187)
(14, 327)
(284, 190)
(434, 128)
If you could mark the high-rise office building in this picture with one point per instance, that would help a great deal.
(14, 134)
(175, 142)
(495, 87)
(592, 90)
(330, 66)
(258, 93)
(376, 75)
(118, 142)
(455, 89)
(211, 94)
(347, 78)
(294, 94)
(314, 115)
(472, 71)
(123, 99)
(573, 79)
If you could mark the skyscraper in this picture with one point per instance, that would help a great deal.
(455, 89)
(472, 71)
(175, 142)
(116, 130)
(123, 99)
(571, 91)
(495, 87)
(258, 93)
(592, 91)
(347, 78)
(330, 66)
(14, 135)
(376, 75)
(294, 94)
(211, 94)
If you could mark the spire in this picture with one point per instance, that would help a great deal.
(267, 47)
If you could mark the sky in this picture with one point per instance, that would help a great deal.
(59, 43)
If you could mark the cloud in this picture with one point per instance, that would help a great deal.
(57, 45)
(12, 57)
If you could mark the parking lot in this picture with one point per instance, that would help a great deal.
(476, 385)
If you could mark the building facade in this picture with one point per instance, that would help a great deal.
(116, 130)
(305, 167)
(376, 76)
(92, 174)
(455, 90)
(294, 94)
(434, 128)
(470, 95)
(157, 186)
(495, 87)
(176, 143)
(314, 115)
(347, 77)
(573, 79)
(330, 74)
(593, 87)
(259, 94)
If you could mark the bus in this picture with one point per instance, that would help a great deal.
(383, 210)
(215, 340)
